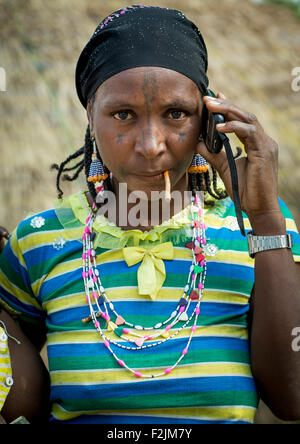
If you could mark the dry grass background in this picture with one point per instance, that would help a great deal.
(252, 51)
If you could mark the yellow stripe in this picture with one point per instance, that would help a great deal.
(91, 336)
(4, 360)
(215, 221)
(233, 257)
(15, 247)
(33, 240)
(60, 377)
(17, 292)
(79, 299)
(5, 369)
(64, 302)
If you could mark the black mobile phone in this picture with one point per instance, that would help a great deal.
(210, 135)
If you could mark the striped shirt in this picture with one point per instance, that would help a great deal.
(41, 281)
(5, 368)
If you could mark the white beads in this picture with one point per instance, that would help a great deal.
(166, 329)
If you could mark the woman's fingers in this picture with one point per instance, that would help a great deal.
(218, 161)
(4, 234)
(231, 112)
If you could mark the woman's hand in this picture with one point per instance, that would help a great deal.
(257, 173)
(3, 235)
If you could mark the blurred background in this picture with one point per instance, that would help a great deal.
(254, 52)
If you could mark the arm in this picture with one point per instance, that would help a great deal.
(276, 302)
(276, 312)
(29, 395)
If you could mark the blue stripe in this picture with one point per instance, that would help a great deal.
(46, 252)
(13, 262)
(48, 214)
(143, 308)
(165, 387)
(66, 279)
(224, 234)
(241, 272)
(177, 267)
(15, 304)
(198, 343)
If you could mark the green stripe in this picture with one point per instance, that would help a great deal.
(37, 271)
(172, 280)
(76, 286)
(230, 319)
(12, 275)
(228, 284)
(140, 361)
(51, 224)
(169, 400)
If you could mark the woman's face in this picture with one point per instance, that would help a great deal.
(145, 121)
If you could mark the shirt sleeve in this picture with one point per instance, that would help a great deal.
(292, 229)
(16, 294)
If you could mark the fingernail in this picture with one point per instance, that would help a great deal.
(220, 125)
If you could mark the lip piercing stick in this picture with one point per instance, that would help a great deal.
(167, 185)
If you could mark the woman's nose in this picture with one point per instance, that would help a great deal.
(151, 142)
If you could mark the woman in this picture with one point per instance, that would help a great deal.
(151, 322)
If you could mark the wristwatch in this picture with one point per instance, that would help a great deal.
(263, 243)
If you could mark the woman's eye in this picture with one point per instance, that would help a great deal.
(122, 115)
(177, 115)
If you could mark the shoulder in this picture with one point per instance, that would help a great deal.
(37, 223)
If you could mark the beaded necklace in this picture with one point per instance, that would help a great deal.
(187, 310)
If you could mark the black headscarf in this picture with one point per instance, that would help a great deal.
(148, 36)
(141, 36)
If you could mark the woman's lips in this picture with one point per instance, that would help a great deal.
(151, 178)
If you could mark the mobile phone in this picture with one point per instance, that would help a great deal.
(210, 134)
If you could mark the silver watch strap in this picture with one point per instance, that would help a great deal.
(263, 243)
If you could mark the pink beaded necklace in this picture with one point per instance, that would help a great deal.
(187, 310)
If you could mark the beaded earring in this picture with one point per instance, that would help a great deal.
(198, 165)
(96, 173)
